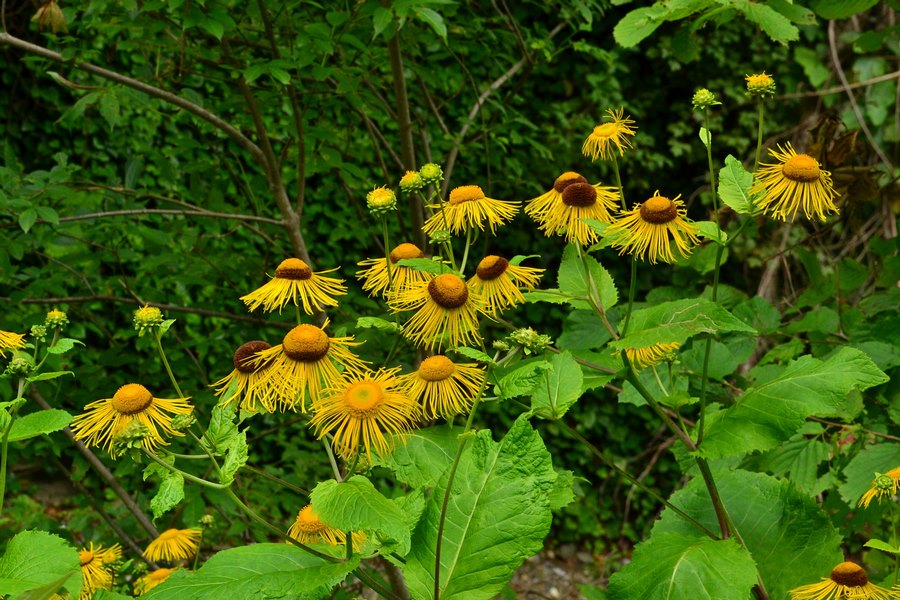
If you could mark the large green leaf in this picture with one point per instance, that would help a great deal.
(256, 571)
(776, 25)
(573, 279)
(36, 559)
(840, 9)
(734, 186)
(498, 515)
(423, 457)
(789, 537)
(674, 566)
(771, 413)
(675, 322)
(559, 387)
(38, 423)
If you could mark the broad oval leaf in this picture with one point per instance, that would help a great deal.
(38, 423)
(36, 559)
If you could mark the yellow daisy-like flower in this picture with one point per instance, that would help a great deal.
(443, 388)
(151, 580)
(309, 529)
(246, 378)
(11, 341)
(884, 484)
(302, 363)
(375, 275)
(174, 544)
(295, 282)
(645, 230)
(104, 419)
(651, 355)
(796, 182)
(561, 210)
(360, 410)
(614, 132)
(497, 283)
(760, 84)
(96, 570)
(848, 581)
(445, 312)
(468, 208)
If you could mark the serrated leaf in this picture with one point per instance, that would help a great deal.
(674, 566)
(375, 322)
(734, 186)
(498, 516)
(48, 376)
(769, 414)
(109, 109)
(46, 592)
(63, 345)
(235, 456)
(27, 219)
(256, 571)
(840, 9)
(222, 429)
(521, 379)
(38, 423)
(883, 546)
(423, 458)
(558, 389)
(711, 231)
(777, 26)
(35, 559)
(169, 495)
(573, 280)
(563, 492)
(474, 354)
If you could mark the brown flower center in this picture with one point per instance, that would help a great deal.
(363, 398)
(465, 193)
(436, 368)
(579, 194)
(448, 290)
(131, 399)
(658, 210)
(309, 521)
(306, 343)
(849, 574)
(801, 167)
(244, 355)
(491, 267)
(293, 268)
(404, 251)
(605, 130)
(566, 179)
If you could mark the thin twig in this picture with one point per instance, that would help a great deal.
(166, 211)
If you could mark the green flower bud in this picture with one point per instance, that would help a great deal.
(147, 318)
(207, 521)
(531, 341)
(381, 200)
(883, 482)
(411, 182)
(56, 318)
(130, 438)
(20, 365)
(39, 332)
(703, 98)
(440, 236)
(431, 173)
(183, 422)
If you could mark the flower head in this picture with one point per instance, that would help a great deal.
(242, 385)
(615, 131)
(760, 85)
(303, 363)
(97, 570)
(381, 200)
(796, 182)
(651, 355)
(572, 199)
(431, 173)
(294, 281)
(105, 419)
(375, 274)
(847, 581)
(151, 580)
(645, 230)
(308, 528)
(56, 318)
(11, 341)
(468, 208)
(411, 181)
(884, 484)
(530, 340)
(361, 409)
(442, 387)
(147, 318)
(445, 312)
(498, 282)
(174, 544)
(703, 98)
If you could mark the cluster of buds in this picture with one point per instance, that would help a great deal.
(20, 365)
(530, 340)
(130, 439)
(183, 422)
(703, 98)
(760, 85)
(439, 236)
(381, 200)
(39, 332)
(147, 318)
(56, 318)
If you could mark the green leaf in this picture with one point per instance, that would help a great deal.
(381, 18)
(675, 322)
(38, 423)
(563, 492)
(48, 376)
(109, 109)
(519, 258)
(498, 517)
(474, 354)
(521, 379)
(63, 345)
(375, 322)
(235, 457)
(35, 559)
(27, 218)
(426, 265)
(705, 136)
(573, 279)
(559, 388)
(171, 487)
(882, 545)
(674, 566)
(423, 458)
(860, 471)
(840, 9)
(638, 24)
(711, 231)
(798, 459)
(777, 26)
(791, 539)
(222, 429)
(435, 20)
(551, 295)
(355, 505)
(769, 414)
(256, 571)
(734, 186)
(45, 592)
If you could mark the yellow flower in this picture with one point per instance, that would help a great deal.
(104, 419)
(246, 377)
(294, 281)
(11, 341)
(96, 572)
(613, 132)
(796, 182)
(651, 355)
(760, 84)
(411, 181)
(442, 387)
(174, 544)
(468, 208)
(561, 210)
(848, 581)
(644, 231)
(884, 484)
(361, 409)
(375, 275)
(445, 312)
(151, 580)
(309, 529)
(56, 318)
(300, 365)
(497, 283)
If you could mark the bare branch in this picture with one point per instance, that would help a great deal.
(165, 211)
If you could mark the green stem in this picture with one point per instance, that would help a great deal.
(197, 555)
(187, 476)
(162, 354)
(712, 173)
(593, 295)
(465, 258)
(332, 460)
(759, 132)
(4, 445)
(387, 252)
(894, 542)
(615, 164)
(278, 480)
(631, 290)
(448, 246)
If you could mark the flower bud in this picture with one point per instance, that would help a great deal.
(760, 85)
(39, 332)
(56, 318)
(440, 236)
(183, 422)
(531, 341)
(703, 98)
(381, 200)
(21, 365)
(147, 318)
(431, 173)
(411, 182)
